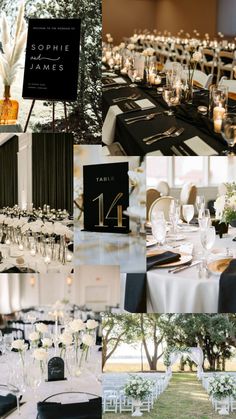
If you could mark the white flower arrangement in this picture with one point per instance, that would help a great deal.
(19, 345)
(138, 388)
(34, 337)
(87, 340)
(222, 386)
(77, 325)
(40, 354)
(47, 343)
(225, 205)
(66, 339)
(41, 328)
(91, 324)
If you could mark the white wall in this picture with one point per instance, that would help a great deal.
(227, 17)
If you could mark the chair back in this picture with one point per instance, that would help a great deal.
(188, 194)
(161, 204)
(152, 195)
(163, 188)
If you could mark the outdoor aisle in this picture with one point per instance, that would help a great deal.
(185, 398)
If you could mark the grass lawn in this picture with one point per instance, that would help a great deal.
(185, 398)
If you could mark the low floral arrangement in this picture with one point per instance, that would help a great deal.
(225, 205)
(138, 388)
(222, 386)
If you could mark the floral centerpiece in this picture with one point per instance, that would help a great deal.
(225, 205)
(138, 389)
(221, 388)
(195, 57)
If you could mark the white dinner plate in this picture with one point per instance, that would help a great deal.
(178, 237)
(188, 229)
(150, 241)
(16, 254)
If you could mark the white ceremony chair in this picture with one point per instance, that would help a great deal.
(226, 63)
(209, 61)
(231, 84)
(110, 401)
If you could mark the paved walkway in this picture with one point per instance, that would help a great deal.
(185, 398)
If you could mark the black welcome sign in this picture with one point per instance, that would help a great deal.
(106, 196)
(56, 369)
(52, 59)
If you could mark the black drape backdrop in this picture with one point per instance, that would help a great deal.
(8, 173)
(52, 170)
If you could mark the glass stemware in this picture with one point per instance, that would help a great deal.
(200, 202)
(207, 237)
(204, 218)
(228, 130)
(15, 386)
(159, 231)
(171, 96)
(188, 212)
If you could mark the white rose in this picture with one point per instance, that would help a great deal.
(34, 336)
(76, 325)
(91, 324)
(88, 340)
(219, 205)
(19, 344)
(131, 47)
(40, 354)
(197, 56)
(66, 339)
(47, 343)
(122, 46)
(41, 327)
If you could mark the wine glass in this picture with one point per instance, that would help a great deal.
(204, 218)
(13, 385)
(174, 215)
(200, 202)
(159, 231)
(171, 97)
(228, 130)
(207, 238)
(188, 212)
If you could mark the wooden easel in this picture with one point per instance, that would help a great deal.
(53, 116)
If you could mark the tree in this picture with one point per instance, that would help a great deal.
(118, 329)
(150, 329)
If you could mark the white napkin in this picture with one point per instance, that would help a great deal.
(200, 147)
(186, 248)
(109, 126)
(118, 80)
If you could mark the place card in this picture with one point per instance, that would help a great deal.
(129, 106)
(199, 147)
(56, 369)
(106, 197)
(52, 59)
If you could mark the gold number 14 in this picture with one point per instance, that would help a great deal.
(101, 217)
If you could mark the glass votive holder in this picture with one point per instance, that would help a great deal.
(202, 271)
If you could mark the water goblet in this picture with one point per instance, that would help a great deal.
(188, 212)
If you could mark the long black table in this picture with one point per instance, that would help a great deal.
(186, 116)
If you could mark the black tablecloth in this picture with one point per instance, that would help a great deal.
(135, 293)
(227, 289)
(186, 116)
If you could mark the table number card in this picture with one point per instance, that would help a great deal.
(106, 196)
(52, 59)
(56, 369)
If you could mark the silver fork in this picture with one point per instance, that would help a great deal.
(106, 89)
(131, 97)
(174, 135)
(168, 132)
(144, 118)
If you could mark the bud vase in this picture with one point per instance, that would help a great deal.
(8, 109)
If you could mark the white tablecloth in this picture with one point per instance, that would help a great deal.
(184, 292)
(86, 383)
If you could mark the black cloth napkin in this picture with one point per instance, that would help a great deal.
(89, 410)
(161, 259)
(135, 293)
(227, 289)
(7, 403)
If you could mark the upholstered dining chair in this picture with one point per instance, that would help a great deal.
(188, 194)
(151, 196)
(163, 188)
(161, 204)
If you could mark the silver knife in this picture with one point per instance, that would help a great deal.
(177, 153)
(182, 268)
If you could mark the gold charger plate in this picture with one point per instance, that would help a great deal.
(184, 259)
(218, 266)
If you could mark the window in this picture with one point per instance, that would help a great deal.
(188, 169)
(157, 169)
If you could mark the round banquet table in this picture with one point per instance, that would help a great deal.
(184, 292)
(85, 383)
